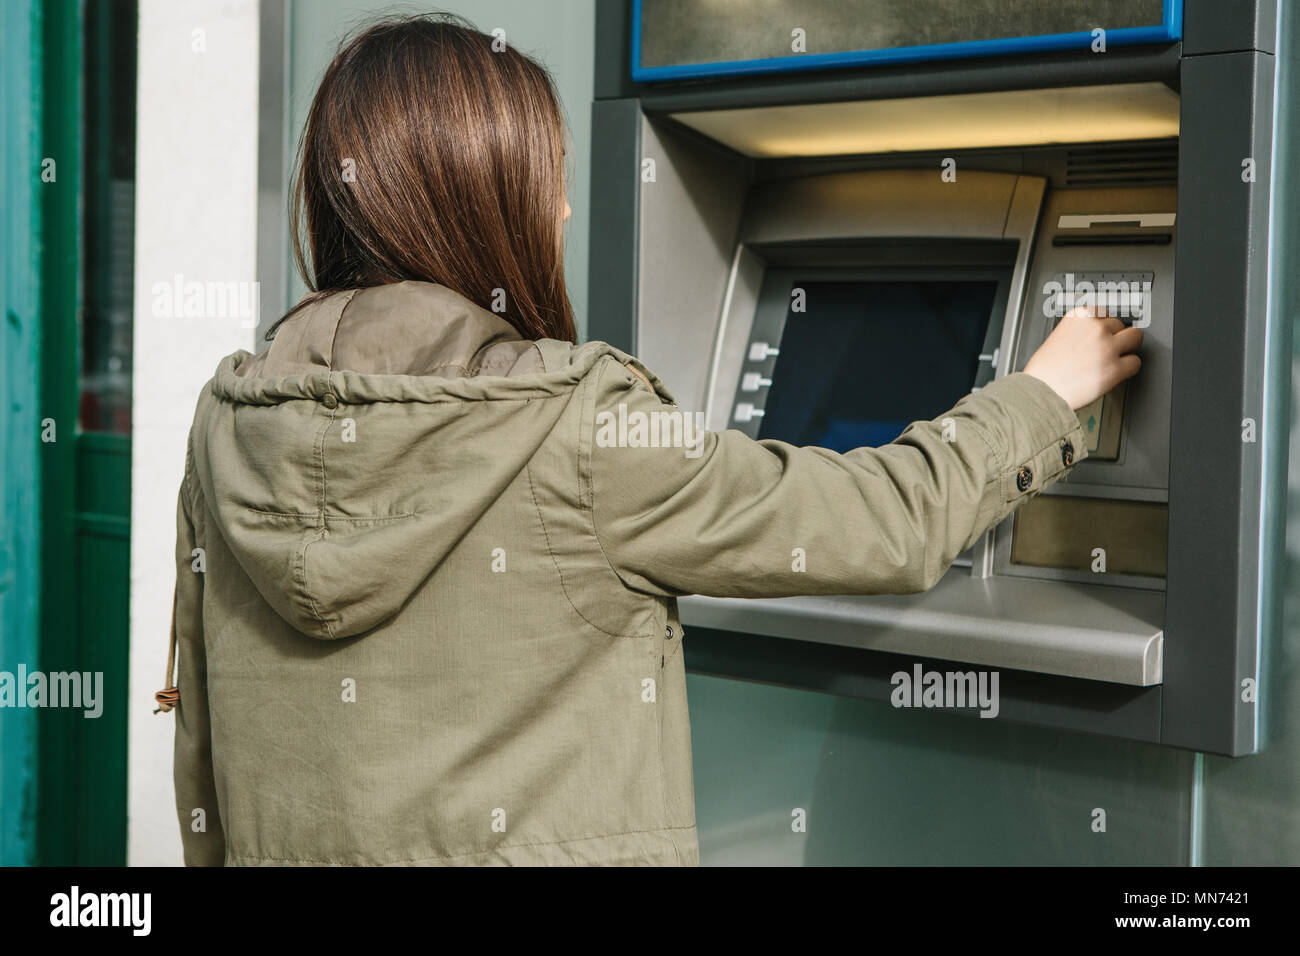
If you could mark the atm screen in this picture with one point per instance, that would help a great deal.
(864, 359)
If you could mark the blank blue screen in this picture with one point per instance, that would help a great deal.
(867, 358)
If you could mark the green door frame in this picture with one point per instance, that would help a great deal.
(20, 497)
(63, 777)
(59, 57)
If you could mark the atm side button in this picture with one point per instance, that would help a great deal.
(746, 412)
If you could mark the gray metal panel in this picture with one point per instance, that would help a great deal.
(1119, 65)
(273, 161)
(1049, 627)
(895, 202)
(689, 214)
(1215, 477)
(1022, 226)
(739, 306)
(1229, 26)
(611, 282)
(613, 69)
(1062, 702)
(1280, 371)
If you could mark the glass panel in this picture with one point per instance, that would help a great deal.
(881, 786)
(109, 216)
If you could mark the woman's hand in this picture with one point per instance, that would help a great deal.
(1086, 356)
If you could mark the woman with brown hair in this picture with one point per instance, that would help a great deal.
(425, 603)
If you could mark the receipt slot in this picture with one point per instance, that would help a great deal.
(823, 253)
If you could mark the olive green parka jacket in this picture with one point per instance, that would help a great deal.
(426, 576)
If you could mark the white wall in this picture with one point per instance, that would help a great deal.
(195, 215)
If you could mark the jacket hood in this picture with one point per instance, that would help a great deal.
(345, 462)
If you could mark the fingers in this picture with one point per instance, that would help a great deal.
(1128, 365)
(1082, 312)
(1128, 339)
(1110, 323)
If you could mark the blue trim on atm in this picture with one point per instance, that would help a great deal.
(1169, 30)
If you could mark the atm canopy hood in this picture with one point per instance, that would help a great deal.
(1073, 114)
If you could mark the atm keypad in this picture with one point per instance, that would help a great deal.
(1125, 295)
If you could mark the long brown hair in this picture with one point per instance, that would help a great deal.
(430, 155)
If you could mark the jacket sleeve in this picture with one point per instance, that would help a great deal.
(202, 835)
(736, 517)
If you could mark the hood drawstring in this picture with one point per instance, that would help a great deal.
(169, 696)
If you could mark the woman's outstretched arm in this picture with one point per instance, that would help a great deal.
(736, 517)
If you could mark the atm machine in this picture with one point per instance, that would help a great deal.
(820, 221)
